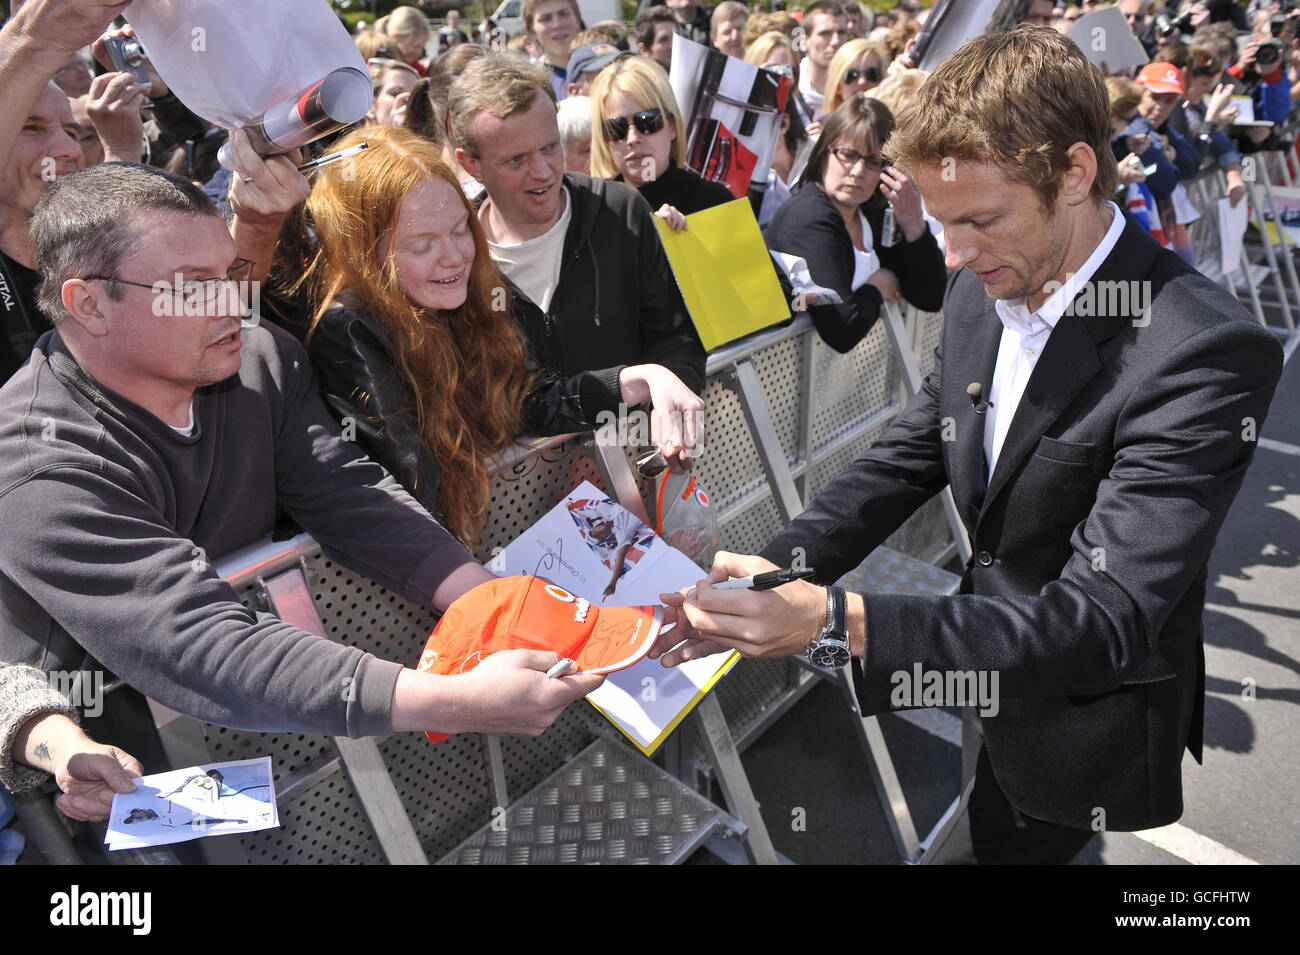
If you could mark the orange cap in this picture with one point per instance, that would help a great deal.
(1162, 78)
(529, 613)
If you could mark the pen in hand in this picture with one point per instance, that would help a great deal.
(766, 581)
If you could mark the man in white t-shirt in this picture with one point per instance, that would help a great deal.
(593, 290)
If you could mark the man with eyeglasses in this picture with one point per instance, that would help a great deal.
(153, 430)
(593, 288)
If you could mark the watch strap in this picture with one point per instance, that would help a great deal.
(837, 612)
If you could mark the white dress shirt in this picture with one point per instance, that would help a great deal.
(1024, 333)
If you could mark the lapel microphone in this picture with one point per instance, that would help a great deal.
(975, 389)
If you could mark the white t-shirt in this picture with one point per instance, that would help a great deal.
(188, 430)
(810, 95)
(865, 264)
(534, 266)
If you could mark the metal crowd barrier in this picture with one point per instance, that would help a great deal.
(1269, 283)
(785, 414)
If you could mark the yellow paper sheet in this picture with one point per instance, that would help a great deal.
(725, 273)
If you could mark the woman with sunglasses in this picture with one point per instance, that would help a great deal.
(857, 66)
(413, 335)
(835, 224)
(638, 137)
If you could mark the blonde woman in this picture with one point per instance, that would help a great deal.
(638, 137)
(773, 48)
(858, 66)
(409, 29)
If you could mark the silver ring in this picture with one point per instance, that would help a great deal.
(248, 178)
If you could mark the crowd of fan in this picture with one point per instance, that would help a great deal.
(487, 268)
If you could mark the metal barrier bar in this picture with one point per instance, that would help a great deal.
(267, 559)
(1243, 263)
(1284, 241)
(1269, 253)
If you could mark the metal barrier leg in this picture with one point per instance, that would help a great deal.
(1284, 241)
(618, 476)
(722, 752)
(883, 774)
(496, 765)
(1269, 254)
(289, 598)
(716, 735)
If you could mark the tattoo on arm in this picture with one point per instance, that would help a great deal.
(42, 751)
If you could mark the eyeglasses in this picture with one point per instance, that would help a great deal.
(871, 74)
(851, 157)
(647, 121)
(199, 296)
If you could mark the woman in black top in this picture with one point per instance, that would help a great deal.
(414, 337)
(637, 137)
(834, 223)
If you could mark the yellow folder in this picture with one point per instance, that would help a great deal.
(725, 273)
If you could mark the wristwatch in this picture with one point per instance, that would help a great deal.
(829, 650)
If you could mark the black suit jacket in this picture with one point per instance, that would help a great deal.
(1091, 540)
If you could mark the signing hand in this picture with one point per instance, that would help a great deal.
(768, 623)
(677, 414)
(1138, 145)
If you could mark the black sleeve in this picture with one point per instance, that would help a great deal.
(920, 270)
(556, 403)
(814, 231)
(366, 391)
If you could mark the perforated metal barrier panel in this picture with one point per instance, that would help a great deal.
(445, 789)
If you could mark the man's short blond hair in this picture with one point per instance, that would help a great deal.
(499, 83)
(1019, 100)
(725, 12)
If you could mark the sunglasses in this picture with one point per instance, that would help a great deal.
(646, 122)
(851, 157)
(871, 74)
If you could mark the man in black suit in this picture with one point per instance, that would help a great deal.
(1094, 407)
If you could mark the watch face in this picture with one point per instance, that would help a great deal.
(830, 656)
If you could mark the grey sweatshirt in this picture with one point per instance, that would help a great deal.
(110, 521)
